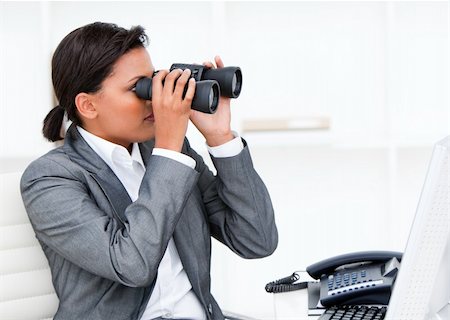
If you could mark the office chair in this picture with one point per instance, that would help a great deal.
(26, 290)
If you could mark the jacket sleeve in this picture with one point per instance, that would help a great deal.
(238, 205)
(67, 219)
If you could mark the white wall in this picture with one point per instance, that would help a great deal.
(378, 72)
(26, 93)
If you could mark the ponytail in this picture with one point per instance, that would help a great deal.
(52, 124)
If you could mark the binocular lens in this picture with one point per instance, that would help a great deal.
(236, 84)
(233, 83)
(211, 98)
(214, 94)
(206, 97)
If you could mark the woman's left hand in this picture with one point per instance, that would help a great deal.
(214, 127)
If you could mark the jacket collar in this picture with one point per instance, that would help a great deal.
(82, 154)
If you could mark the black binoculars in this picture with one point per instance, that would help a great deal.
(210, 84)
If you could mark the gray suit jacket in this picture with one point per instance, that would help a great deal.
(104, 250)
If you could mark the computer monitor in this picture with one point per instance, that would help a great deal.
(422, 288)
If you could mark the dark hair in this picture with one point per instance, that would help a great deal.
(83, 59)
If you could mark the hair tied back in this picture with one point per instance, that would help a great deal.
(52, 124)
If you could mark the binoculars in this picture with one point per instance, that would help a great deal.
(210, 84)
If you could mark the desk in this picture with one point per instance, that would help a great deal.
(292, 305)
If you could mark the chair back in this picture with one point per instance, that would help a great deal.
(26, 290)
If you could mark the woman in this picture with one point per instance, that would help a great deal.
(125, 209)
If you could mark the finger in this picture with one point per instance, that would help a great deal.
(169, 82)
(209, 64)
(219, 61)
(190, 92)
(181, 84)
(157, 83)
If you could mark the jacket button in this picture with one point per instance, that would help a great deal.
(210, 308)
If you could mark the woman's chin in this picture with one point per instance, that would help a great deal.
(148, 135)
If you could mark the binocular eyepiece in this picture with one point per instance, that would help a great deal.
(210, 85)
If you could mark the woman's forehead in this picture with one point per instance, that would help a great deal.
(132, 62)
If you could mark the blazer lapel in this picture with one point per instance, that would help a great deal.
(146, 150)
(186, 250)
(185, 243)
(81, 153)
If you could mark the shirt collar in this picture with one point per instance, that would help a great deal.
(113, 154)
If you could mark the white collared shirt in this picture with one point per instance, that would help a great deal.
(172, 296)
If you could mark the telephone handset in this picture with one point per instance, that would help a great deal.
(355, 278)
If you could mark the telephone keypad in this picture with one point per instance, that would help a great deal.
(356, 283)
(350, 281)
(339, 280)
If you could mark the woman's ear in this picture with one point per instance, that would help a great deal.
(85, 105)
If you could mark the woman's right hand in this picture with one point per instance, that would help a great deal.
(170, 109)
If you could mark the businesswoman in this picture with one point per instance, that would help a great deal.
(125, 208)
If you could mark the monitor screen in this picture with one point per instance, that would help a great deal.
(422, 288)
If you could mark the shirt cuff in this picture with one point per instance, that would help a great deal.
(228, 149)
(177, 156)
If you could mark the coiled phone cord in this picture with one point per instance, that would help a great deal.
(286, 284)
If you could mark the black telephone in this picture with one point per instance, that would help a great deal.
(350, 279)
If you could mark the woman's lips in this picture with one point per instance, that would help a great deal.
(150, 117)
